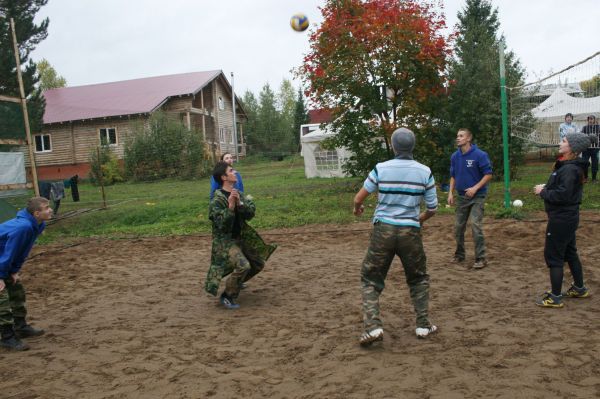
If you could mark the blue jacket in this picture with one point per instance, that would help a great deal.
(215, 186)
(468, 169)
(17, 236)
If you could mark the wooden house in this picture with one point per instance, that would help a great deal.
(78, 119)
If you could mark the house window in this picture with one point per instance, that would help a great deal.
(231, 136)
(108, 136)
(221, 103)
(42, 143)
(222, 135)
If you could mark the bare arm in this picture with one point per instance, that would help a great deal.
(425, 216)
(359, 198)
(451, 191)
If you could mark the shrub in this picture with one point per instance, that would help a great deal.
(163, 148)
(104, 165)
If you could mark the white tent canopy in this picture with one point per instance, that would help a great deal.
(320, 162)
(555, 107)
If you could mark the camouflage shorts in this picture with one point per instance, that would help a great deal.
(388, 241)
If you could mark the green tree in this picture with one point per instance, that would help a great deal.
(29, 35)
(163, 148)
(268, 140)
(251, 108)
(104, 166)
(378, 65)
(591, 87)
(300, 117)
(474, 100)
(49, 78)
(287, 105)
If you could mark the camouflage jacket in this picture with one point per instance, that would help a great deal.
(252, 245)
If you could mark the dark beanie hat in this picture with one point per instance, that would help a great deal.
(578, 142)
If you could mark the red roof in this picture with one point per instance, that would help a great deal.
(127, 97)
(320, 115)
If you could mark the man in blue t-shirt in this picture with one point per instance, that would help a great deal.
(239, 186)
(470, 172)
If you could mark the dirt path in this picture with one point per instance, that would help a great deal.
(129, 319)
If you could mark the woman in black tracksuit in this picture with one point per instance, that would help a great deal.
(562, 196)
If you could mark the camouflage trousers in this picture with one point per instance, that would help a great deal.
(12, 302)
(386, 242)
(242, 269)
(472, 207)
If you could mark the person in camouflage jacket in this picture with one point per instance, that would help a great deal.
(237, 249)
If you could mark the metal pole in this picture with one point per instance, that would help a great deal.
(36, 187)
(235, 140)
(504, 105)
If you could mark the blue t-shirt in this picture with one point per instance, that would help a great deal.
(468, 169)
(403, 185)
(215, 186)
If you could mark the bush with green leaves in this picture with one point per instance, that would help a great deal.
(104, 166)
(164, 148)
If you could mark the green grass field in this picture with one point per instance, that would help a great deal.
(284, 198)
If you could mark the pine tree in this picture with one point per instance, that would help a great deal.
(251, 108)
(287, 104)
(268, 137)
(474, 100)
(28, 35)
(300, 117)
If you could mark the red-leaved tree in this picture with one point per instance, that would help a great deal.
(378, 65)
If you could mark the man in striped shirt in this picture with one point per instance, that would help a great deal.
(402, 184)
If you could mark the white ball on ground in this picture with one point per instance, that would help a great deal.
(517, 203)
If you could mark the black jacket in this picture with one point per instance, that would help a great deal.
(593, 132)
(564, 190)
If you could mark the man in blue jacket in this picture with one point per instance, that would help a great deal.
(17, 236)
(470, 172)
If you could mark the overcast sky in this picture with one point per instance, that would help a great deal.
(97, 41)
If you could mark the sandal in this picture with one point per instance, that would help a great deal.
(368, 337)
(424, 332)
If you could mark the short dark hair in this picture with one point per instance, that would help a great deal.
(223, 155)
(591, 117)
(569, 114)
(219, 171)
(467, 131)
(35, 204)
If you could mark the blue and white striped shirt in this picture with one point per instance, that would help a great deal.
(403, 184)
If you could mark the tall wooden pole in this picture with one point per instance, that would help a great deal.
(36, 187)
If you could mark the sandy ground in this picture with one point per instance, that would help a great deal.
(129, 319)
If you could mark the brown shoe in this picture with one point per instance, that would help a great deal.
(480, 264)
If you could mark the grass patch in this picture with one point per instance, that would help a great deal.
(284, 198)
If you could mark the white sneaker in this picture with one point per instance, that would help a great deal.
(368, 337)
(424, 332)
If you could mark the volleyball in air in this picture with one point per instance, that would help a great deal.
(299, 22)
